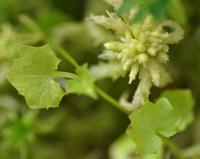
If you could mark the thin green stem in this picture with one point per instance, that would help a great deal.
(111, 100)
(64, 53)
(103, 94)
(65, 75)
(173, 148)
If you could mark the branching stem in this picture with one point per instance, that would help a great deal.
(101, 93)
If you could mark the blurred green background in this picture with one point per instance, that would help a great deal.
(82, 128)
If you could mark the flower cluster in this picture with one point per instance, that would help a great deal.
(141, 49)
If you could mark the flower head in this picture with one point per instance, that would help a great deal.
(141, 49)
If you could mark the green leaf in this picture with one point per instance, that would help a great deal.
(122, 148)
(157, 8)
(32, 74)
(149, 123)
(84, 85)
(182, 102)
(128, 4)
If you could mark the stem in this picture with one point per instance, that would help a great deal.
(103, 94)
(65, 75)
(64, 53)
(173, 147)
(111, 100)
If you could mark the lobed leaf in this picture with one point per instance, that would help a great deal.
(150, 122)
(32, 74)
(183, 103)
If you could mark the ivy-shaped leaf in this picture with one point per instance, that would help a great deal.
(182, 102)
(32, 74)
(149, 123)
(84, 85)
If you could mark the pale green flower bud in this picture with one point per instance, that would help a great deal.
(151, 51)
(142, 58)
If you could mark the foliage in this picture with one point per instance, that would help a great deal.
(156, 120)
(137, 38)
(157, 8)
(182, 102)
(165, 118)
